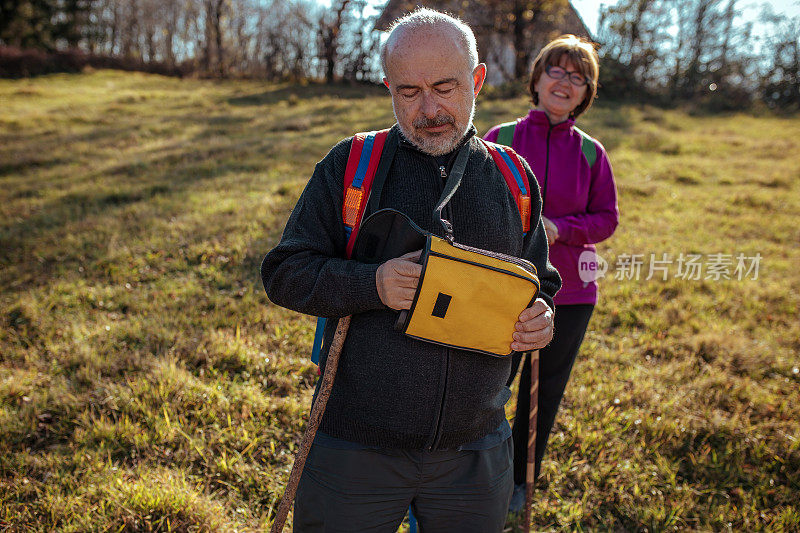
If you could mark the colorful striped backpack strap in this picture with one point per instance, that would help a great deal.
(510, 165)
(505, 134)
(588, 147)
(365, 154)
(362, 163)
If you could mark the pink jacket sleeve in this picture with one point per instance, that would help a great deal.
(602, 213)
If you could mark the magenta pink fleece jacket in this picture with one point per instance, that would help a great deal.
(579, 199)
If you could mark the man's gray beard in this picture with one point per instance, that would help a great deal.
(441, 145)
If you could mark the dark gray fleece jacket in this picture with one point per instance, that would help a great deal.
(393, 391)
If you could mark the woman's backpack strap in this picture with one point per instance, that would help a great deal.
(588, 147)
(505, 135)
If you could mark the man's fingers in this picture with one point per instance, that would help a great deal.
(411, 256)
(534, 329)
(539, 307)
(405, 299)
(408, 269)
(407, 284)
(536, 324)
(529, 337)
(524, 342)
(397, 280)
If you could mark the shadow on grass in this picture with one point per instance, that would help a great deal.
(725, 458)
(168, 173)
(73, 207)
(30, 164)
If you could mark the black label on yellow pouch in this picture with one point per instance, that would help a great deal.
(441, 305)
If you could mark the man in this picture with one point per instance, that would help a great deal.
(410, 422)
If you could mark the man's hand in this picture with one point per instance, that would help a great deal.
(534, 330)
(551, 229)
(397, 280)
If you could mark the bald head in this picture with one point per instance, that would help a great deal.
(427, 26)
(430, 63)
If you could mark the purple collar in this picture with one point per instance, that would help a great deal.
(539, 117)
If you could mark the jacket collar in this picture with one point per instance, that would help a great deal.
(539, 117)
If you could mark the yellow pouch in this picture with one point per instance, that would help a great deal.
(466, 298)
(469, 298)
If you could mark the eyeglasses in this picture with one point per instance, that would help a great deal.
(558, 73)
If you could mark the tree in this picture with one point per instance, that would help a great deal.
(634, 37)
(330, 26)
(714, 53)
(358, 51)
(43, 24)
(514, 21)
(213, 58)
(780, 85)
(284, 39)
(679, 50)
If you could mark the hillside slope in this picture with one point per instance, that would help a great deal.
(147, 384)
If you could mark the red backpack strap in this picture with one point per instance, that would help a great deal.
(510, 165)
(365, 154)
(362, 163)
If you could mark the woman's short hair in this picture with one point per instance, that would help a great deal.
(581, 53)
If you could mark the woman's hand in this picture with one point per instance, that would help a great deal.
(551, 229)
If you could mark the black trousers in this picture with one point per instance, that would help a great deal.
(555, 365)
(370, 490)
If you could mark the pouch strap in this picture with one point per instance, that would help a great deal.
(453, 181)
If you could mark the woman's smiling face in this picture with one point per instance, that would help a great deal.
(558, 98)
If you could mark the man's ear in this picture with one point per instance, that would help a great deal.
(386, 82)
(478, 77)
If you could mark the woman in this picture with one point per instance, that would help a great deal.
(579, 209)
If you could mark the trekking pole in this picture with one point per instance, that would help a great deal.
(317, 410)
(530, 474)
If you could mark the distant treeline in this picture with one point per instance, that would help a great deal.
(679, 50)
(656, 50)
(271, 39)
(22, 63)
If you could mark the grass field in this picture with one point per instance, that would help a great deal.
(147, 384)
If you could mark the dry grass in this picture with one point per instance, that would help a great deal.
(146, 384)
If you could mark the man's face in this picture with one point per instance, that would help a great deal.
(433, 88)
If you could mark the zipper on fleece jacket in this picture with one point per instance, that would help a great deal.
(437, 425)
(546, 165)
(437, 432)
